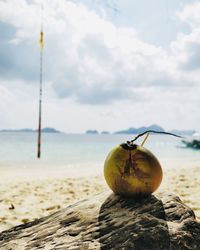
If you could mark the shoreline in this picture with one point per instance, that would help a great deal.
(35, 194)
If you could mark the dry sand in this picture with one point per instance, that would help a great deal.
(27, 195)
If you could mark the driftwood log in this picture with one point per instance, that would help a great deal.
(107, 221)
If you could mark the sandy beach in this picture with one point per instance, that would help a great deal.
(30, 194)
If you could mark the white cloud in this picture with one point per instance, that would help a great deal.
(190, 14)
(90, 61)
(86, 56)
(186, 48)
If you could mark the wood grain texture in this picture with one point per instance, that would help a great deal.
(108, 221)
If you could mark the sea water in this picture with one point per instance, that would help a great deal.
(85, 150)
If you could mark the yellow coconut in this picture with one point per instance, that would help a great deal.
(132, 170)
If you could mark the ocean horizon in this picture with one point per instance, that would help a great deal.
(85, 150)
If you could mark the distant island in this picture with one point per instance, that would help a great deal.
(92, 132)
(140, 130)
(131, 130)
(105, 133)
(29, 130)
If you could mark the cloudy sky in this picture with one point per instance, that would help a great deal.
(108, 65)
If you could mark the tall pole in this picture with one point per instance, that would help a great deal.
(40, 92)
(40, 106)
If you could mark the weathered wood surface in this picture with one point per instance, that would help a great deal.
(107, 221)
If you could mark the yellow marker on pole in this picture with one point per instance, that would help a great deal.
(41, 39)
(146, 137)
